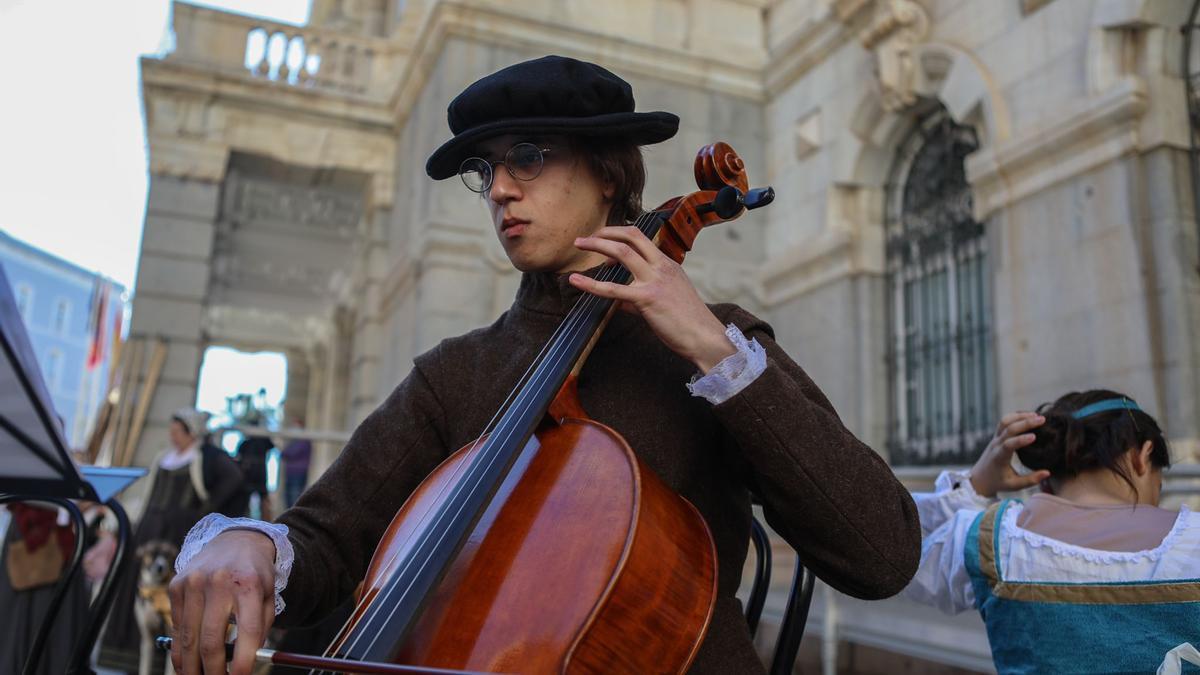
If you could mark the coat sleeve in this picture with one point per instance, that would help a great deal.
(829, 495)
(336, 524)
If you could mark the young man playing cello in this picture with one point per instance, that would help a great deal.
(703, 393)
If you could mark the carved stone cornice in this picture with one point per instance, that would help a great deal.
(255, 326)
(890, 29)
(734, 72)
(282, 100)
(192, 123)
(187, 159)
(296, 210)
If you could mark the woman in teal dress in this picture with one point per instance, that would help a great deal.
(1089, 575)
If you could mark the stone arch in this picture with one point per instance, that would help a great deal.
(944, 73)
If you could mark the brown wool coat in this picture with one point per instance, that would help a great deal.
(829, 495)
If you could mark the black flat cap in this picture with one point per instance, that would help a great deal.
(550, 95)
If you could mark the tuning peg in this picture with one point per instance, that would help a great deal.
(758, 197)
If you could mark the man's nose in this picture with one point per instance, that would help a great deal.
(504, 186)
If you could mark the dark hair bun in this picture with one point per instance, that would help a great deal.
(1066, 446)
(1046, 451)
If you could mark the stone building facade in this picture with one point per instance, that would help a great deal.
(981, 204)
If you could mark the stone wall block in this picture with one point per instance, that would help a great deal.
(175, 196)
(177, 278)
(168, 317)
(178, 236)
(183, 362)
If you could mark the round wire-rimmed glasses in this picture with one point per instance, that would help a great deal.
(523, 161)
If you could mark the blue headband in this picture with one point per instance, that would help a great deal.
(1105, 406)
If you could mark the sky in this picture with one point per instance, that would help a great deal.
(73, 152)
(72, 141)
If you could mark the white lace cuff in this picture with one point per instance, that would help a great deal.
(214, 523)
(952, 493)
(964, 496)
(734, 372)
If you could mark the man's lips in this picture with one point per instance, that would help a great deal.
(512, 227)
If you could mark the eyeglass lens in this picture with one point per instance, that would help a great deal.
(523, 161)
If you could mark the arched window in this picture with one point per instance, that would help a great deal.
(942, 387)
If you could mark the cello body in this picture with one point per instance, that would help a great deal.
(584, 562)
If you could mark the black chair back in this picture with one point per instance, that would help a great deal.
(795, 613)
(762, 575)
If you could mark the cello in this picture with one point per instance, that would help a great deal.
(546, 545)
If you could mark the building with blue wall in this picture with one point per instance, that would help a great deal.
(61, 304)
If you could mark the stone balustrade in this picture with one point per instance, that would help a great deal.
(294, 56)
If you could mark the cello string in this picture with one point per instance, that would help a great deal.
(453, 511)
(453, 479)
(572, 324)
(577, 324)
(434, 538)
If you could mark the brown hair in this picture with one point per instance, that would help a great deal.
(619, 164)
(1066, 446)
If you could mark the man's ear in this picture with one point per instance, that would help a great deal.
(1139, 458)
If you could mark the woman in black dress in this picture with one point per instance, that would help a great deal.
(188, 480)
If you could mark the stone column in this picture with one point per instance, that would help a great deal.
(172, 285)
(333, 393)
(295, 404)
(367, 348)
(1166, 218)
(314, 411)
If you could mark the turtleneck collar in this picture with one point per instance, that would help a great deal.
(549, 292)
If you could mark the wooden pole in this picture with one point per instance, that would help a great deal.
(157, 359)
(129, 377)
(99, 428)
(105, 415)
(116, 377)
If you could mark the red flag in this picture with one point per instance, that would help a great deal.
(97, 324)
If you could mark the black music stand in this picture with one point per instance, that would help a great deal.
(35, 466)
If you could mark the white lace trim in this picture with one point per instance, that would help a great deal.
(958, 481)
(214, 523)
(734, 373)
(1012, 531)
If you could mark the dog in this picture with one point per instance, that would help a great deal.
(156, 561)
